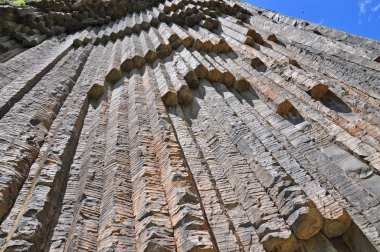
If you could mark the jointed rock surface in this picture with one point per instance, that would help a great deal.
(185, 125)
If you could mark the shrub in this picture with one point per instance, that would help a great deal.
(18, 3)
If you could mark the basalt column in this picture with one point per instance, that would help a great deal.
(185, 125)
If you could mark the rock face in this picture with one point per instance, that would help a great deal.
(185, 125)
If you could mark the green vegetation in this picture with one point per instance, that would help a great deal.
(18, 3)
(14, 3)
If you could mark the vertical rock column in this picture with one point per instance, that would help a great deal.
(190, 227)
(116, 223)
(84, 234)
(25, 126)
(299, 212)
(224, 158)
(231, 228)
(153, 228)
(336, 219)
(77, 103)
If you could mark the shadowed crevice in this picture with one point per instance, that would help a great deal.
(289, 113)
(322, 93)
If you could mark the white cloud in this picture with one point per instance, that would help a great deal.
(363, 6)
(321, 21)
(376, 8)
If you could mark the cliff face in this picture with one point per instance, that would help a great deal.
(185, 126)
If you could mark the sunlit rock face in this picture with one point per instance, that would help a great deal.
(185, 125)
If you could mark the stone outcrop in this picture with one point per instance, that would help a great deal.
(185, 125)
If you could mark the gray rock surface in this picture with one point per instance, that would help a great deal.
(186, 125)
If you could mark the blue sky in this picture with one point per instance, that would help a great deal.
(360, 17)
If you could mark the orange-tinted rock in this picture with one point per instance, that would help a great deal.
(173, 126)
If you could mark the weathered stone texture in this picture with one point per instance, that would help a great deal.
(185, 125)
